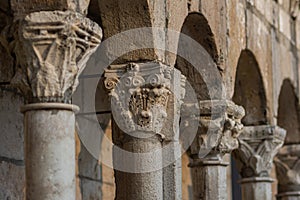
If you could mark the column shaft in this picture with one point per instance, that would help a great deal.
(140, 185)
(257, 188)
(209, 180)
(49, 152)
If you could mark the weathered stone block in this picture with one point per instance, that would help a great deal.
(11, 128)
(12, 179)
(89, 167)
(24, 7)
(6, 63)
(284, 23)
(218, 24)
(91, 189)
(236, 40)
(259, 42)
(91, 96)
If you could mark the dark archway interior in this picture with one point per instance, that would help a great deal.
(249, 90)
(197, 28)
(288, 113)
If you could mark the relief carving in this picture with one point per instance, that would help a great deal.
(139, 95)
(257, 147)
(288, 168)
(219, 128)
(52, 51)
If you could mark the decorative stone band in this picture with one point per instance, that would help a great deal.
(219, 126)
(49, 106)
(140, 93)
(288, 169)
(257, 147)
(256, 180)
(53, 49)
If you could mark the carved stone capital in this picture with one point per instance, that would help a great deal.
(219, 127)
(140, 94)
(257, 147)
(53, 49)
(287, 164)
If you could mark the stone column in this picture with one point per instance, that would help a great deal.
(219, 127)
(143, 96)
(288, 172)
(257, 147)
(53, 48)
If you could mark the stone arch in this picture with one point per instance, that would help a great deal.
(196, 27)
(118, 16)
(288, 112)
(249, 90)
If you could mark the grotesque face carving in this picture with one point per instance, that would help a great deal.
(144, 104)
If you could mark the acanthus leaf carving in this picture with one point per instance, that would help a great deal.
(257, 147)
(219, 127)
(53, 49)
(287, 164)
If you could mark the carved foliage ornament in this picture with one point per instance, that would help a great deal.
(288, 167)
(53, 50)
(258, 146)
(219, 127)
(140, 98)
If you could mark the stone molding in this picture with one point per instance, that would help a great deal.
(140, 94)
(287, 164)
(52, 50)
(257, 147)
(219, 127)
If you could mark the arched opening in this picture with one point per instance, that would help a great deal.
(288, 112)
(249, 90)
(196, 29)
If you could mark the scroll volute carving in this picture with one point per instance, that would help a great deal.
(257, 147)
(53, 50)
(139, 99)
